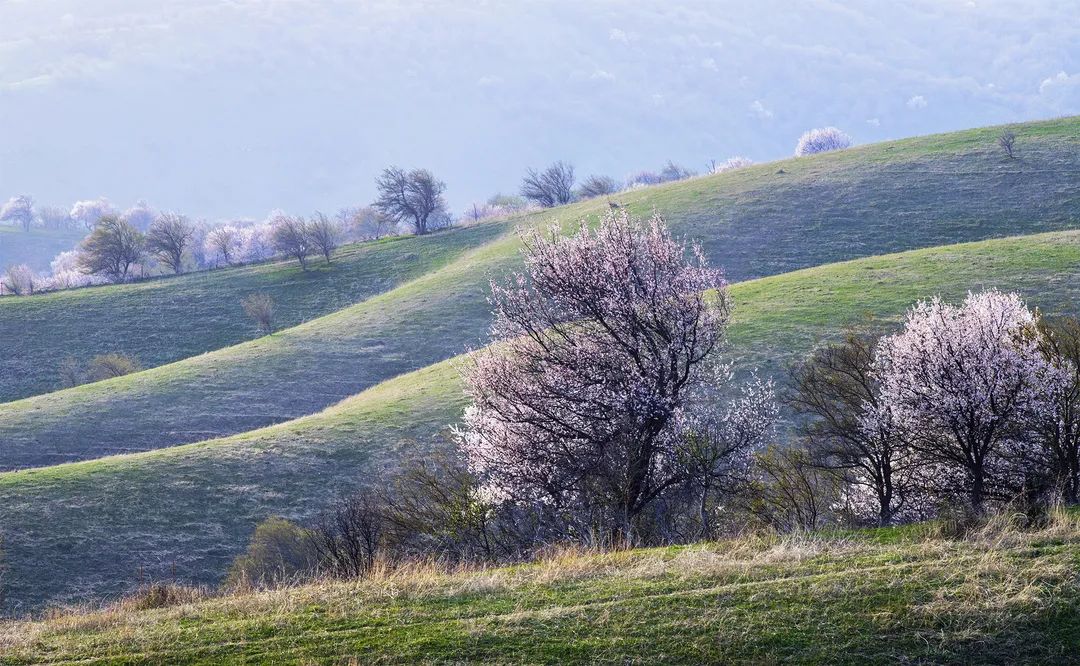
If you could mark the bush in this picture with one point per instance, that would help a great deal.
(822, 140)
(279, 552)
(107, 366)
(732, 163)
(260, 308)
(19, 280)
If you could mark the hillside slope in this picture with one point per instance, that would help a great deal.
(876, 597)
(35, 248)
(94, 528)
(171, 318)
(757, 221)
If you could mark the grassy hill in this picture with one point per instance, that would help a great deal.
(889, 596)
(35, 248)
(95, 527)
(759, 221)
(172, 318)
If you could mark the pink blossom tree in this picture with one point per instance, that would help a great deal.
(599, 345)
(961, 380)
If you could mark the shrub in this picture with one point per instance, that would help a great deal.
(1007, 141)
(822, 140)
(107, 366)
(20, 280)
(732, 163)
(260, 308)
(597, 186)
(673, 172)
(279, 552)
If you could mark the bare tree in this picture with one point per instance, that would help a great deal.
(410, 197)
(672, 172)
(552, 187)
(597, 186)
(791, 492)
(291, 238)
(111, 249)
(600, 346)
(168, 238)
(324, 235)
(20, 210)
(850, 430)
(260, 308)
(1007, 141)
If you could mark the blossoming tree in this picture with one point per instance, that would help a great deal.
(961, 380)
(599, 344)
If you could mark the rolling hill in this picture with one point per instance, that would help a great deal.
(900, 595)
(35, 248)
(93, 528)
(759, 221)
(171, 318)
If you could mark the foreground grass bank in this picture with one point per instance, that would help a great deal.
(95, 528)
(999, 595)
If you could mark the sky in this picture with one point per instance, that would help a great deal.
(231, 108)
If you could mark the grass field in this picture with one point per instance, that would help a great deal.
(757, 221)
(904, 595)
(94, 528)
(168, 319)
(35, 248)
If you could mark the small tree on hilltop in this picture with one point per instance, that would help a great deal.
(168, 237)
(260, 308)
(19, 210)
(552, 187)
(822, 140)
(1007, 141)
(601, 343)
(324, 235)
(411, 197)
(597, 186)
(291, 238)
(111, 249)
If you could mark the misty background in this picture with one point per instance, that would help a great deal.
(231, 108)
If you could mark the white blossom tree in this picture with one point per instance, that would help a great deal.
(732, 163)
(600, 343)
(19, 210)
(961, 380)
(89, 211)
(222, 244)
(821, 140)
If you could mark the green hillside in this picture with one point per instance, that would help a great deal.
(758, 221)
(95, 527)
(35, 248)
(168, 319)
(877, 597)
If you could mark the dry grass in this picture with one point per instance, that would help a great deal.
(999, 588)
